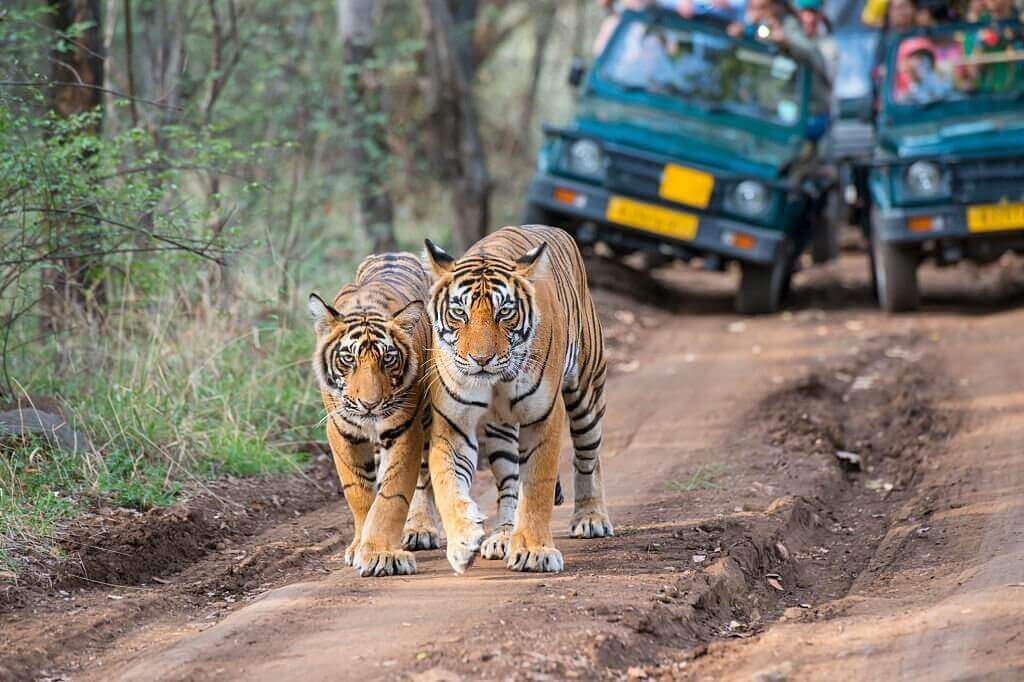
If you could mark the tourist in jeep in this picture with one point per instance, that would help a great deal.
(773, 21)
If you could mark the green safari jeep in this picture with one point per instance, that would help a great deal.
(688, 143)
(947, 179)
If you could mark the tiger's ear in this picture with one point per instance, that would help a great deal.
(323, 315)
(408, 317)
(533, 264)
(440, 262)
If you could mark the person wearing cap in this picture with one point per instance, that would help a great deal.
(918, 81)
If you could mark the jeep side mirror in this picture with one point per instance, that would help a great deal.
(576, 70)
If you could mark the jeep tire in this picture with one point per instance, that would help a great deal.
(895, 275)
(825, 231)
(762, 287)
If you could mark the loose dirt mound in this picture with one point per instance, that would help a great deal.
(122, 547)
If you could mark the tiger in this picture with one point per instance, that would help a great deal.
(371, 353)
(517, 350)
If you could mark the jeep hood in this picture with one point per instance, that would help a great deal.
(701, 141)
(953, 137)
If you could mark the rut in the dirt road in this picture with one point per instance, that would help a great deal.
(877, 408)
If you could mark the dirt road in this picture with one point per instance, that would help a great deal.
(744, 549)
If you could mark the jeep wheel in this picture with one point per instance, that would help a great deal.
(895, 275)
(762, 287)
(825, 235)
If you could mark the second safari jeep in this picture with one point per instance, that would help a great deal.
(947, 179)
(688, 143)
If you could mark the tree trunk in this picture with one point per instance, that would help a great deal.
(464, 14)
(545, 22)
(79, 70)
(368, 147)
(459, 149)
(77, 74)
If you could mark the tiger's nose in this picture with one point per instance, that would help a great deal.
(481, 359)
(368, 404)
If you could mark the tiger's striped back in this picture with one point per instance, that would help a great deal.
(387, 281)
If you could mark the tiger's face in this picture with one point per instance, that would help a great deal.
(366, 361)
(483, 312)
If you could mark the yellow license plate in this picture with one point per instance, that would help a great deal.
(686, 186)
(995, 217)
(652, 218)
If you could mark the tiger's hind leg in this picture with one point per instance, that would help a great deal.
(500, 443)
(585, 405)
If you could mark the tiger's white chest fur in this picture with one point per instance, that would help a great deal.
(520, 401)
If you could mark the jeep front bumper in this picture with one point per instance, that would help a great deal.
(928, 223)
(715, 235)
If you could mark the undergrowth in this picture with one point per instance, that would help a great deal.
(165, 405)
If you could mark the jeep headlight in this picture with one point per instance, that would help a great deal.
(584, 157)
(925, 179)
(749, 198)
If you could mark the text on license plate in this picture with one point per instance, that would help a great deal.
(652, 218)
(995, 217)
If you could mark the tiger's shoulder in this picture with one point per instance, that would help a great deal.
(514, 240)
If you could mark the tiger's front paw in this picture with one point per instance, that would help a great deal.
(463, 547)
(496, 544)
(533, 559)
(593, 523)
(420, 534)
(376, 561)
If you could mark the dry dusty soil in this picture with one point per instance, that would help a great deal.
(746, 548)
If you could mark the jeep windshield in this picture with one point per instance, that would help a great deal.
(704, 71)
(962, 69)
